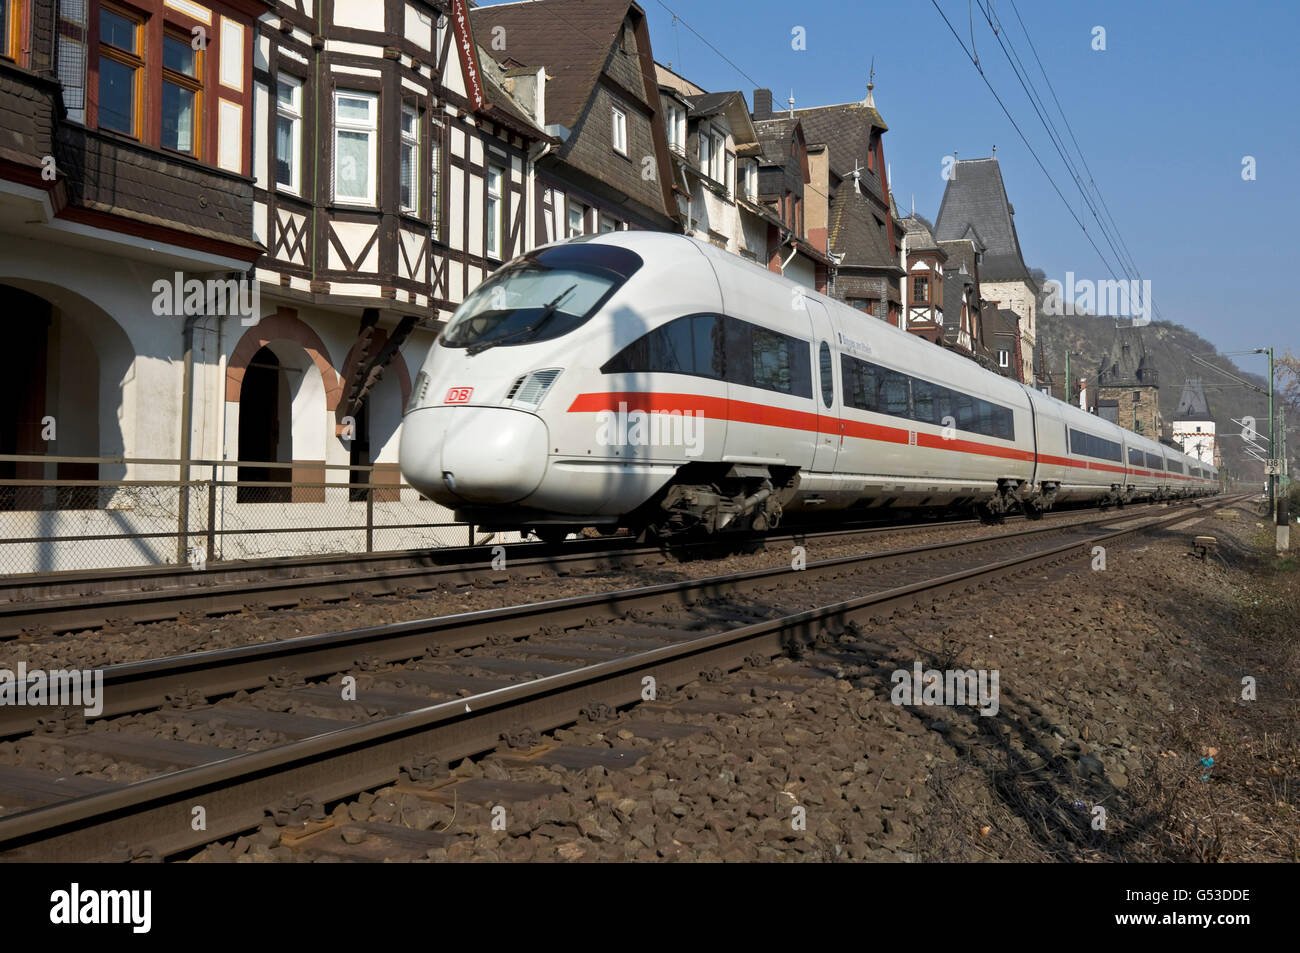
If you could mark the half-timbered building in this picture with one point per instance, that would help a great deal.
(392, 174)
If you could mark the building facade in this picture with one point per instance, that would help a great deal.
(1193, 425)
(975, 207)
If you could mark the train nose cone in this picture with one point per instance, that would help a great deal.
(483, 455)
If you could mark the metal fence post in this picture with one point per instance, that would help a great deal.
(212, 516)
(182, 514)
(370, 511)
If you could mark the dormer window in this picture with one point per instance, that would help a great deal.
(676, 121)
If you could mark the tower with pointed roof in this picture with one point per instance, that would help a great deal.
(1128, 387)
(975, 208)
(1193, 424)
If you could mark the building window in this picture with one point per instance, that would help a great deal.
(577, 219)
(751, 180)
(1137, 395)
(677, 128)
(729, 173)
(435, 182)
(496, 178)
(620, 131)
(920, 290)
(355, 135)
(9, 29)
(181, 94)
(862, 304)
(704, 150)
(608, 224)
(288, 133)
(121, 69)
(1004, 358)
(410, 183)
(715, 158)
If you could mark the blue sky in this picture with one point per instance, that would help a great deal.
(1164, 116)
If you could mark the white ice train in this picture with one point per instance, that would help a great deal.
(652, 381)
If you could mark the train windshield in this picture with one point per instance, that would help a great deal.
(544, 295)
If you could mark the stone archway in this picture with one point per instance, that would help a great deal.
(305, 388)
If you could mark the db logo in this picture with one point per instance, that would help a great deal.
(459, 395)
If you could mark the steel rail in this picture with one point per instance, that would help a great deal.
(139, 686)
(67, 603)
(235, 792)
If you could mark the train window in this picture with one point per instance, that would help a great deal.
(894, 394)
(1155, 462)
(708, 345)
(881, 390)
(1090, 445)
(543, 295)
(827, 374)
(1134, 457)
(923, 394)
(683, 346)
(1175, 466)
(778, 362)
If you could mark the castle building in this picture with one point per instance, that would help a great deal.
(1128, 387)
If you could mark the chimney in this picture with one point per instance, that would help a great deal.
(762, 104)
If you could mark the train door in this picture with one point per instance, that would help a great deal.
(826, 391)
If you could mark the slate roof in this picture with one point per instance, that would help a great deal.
(1127, 365)
(919, 236)
(954, 287)
(710, 103)
(573, 39)
(1193, 404)
(775, 136)
(975, 205)
(846, 131)
(855, 234)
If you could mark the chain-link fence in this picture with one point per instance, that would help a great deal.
(79, 513)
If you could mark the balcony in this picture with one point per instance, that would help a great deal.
(27, 107)
(112, 174)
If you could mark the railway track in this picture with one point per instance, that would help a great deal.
(54, 605)
(437, 690)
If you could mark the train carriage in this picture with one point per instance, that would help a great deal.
(648, 380)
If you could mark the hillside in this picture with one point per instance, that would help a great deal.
(1169, 345)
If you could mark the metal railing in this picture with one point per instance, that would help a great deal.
(90, 513)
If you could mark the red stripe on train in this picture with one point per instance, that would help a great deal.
(745, 412)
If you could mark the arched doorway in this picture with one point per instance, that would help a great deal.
(281, 390)
(265, 429)
(51, 392)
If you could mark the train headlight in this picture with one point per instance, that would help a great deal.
(531, 389)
